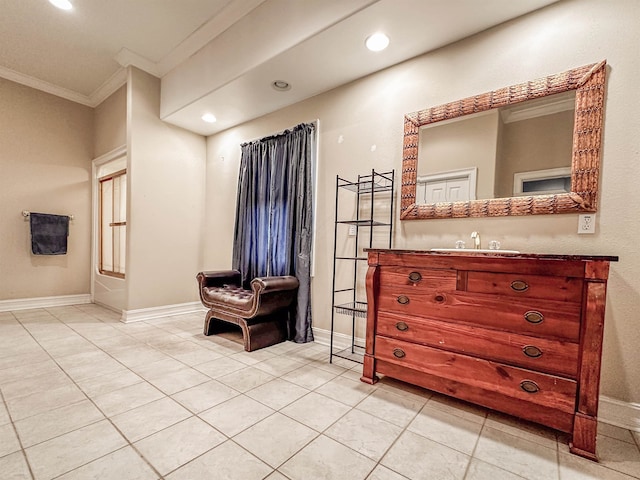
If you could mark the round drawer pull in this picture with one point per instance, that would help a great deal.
(415, 277)
(403, 327)
(533, 317)
(403, 299)
(398, 353)
(519, 286)
(531, 351)
(529, 386)
(439, 298)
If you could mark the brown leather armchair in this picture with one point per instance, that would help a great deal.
(262, 312)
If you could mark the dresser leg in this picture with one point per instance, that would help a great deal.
(369, 370)
(583, 442)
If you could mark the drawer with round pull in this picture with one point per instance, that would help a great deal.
(539, 354)
(419, 278)
(520, 334)
(409, 299)
(539, 318)
(510, 381)
(564, 289)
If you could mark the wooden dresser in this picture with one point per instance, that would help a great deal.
(517, 333)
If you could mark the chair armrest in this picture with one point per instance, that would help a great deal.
(219, 278)
(274, 284)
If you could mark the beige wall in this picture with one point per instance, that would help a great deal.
(110, 123)
(45, 155)
(370, 111)
(462, 144)
(534, 144)
(166, 174)
(45, 166)
(110, 133)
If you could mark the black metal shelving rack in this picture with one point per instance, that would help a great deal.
(347, 301)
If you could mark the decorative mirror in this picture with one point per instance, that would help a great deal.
(501, 181)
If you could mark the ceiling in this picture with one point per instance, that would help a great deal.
(221, 56)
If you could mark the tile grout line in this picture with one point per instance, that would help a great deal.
(318, 434)
(166, 395)
(558, 457)
(308, 361)
(321, 433)
(231, 438)
(475, 447)
(132, 445)
(406, 427)
(228, 439)
(636, 439)
(15, 431)
(92, 423)
(92, 342)
(194, 414)
(351, 408)
(342, 374)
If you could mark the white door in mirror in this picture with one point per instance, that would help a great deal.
(587, 223)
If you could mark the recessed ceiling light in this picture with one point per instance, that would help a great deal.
(62, 4)
(209, 117)
(377, 42)
(281, 85)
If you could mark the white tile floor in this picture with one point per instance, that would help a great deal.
(84, 396)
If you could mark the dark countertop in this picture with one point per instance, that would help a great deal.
(498, 253)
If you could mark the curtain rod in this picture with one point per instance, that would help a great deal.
(26, 213)
(313, 122)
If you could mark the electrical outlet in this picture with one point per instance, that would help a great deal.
(587, 223)
(352, 230)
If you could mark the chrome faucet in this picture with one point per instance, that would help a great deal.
(475, 236)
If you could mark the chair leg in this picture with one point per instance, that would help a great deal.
(258, 332)
(214, 325)
(263, 332)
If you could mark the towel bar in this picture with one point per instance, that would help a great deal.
(26, 213)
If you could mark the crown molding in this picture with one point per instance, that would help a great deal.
(126, 58)
(43, 86)
(230, 14)
(118, 79)
(105, 90)
(522, 112)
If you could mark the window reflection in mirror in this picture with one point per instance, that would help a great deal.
(521, 149)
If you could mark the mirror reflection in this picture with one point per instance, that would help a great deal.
(521, 149)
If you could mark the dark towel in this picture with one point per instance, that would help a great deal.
(49, 234)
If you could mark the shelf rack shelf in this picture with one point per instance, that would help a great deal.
(359, 309)
(363, 223)
(346, 301)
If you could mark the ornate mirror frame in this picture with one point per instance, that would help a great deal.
(588, 82)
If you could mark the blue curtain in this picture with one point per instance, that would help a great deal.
(274, 215)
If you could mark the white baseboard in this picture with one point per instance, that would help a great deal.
(108, 307)
(340, 340)
(139, 315)
(618, 413)
(611, 411)
(44, 302)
